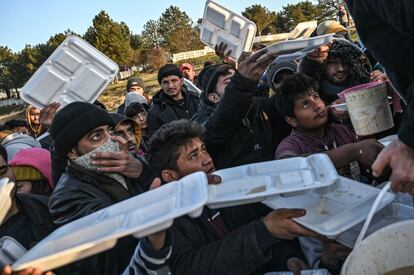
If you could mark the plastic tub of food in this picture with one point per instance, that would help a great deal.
(257, 181)
(139, 216)
(75, 71)
(388, 251)
(334, 209)
(368, 108)
(223, 25)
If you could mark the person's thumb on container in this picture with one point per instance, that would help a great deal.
(156, 182)
(383, 159)
(292, 213)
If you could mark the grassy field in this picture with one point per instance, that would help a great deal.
(113, 95)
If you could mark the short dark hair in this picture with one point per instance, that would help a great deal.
(292, 87)
(165, 143)
(13, 123)
(135, 108)
(3, 153)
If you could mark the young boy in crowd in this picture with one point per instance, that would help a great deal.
(233, 240)
(299, 102)
(138, 112)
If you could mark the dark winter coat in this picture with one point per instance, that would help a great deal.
(249, 248)
(80, 192)
(387, 29)
(243, 128)
(164, 109)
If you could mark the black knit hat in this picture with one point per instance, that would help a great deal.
(210, 74)
(75, 121)
(135, 81)
(167, 70)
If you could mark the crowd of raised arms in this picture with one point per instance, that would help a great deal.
(70, 162)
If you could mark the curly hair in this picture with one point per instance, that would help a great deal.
(291, 88)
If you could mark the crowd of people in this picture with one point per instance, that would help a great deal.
(70, 162)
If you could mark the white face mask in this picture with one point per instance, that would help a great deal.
(85, 160)
(108, 147)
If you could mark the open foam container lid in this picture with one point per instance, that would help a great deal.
(140, 216)
(298, 47)
(6, 188)
(223, 25)
(334, 209)
(75, 71)
(10, 250)
(257, 181)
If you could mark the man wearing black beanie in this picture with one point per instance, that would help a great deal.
(214, 80)
(100, 172)
(172, 102)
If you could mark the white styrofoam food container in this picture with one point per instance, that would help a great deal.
(297, 48)
(191, 87)
(303, 30)
(387, 140)
(222, 25)
(334, 209)
(140, 216)
(254, 182)
(6, 188)
(10, 250)
(75, 71)
(392, 213)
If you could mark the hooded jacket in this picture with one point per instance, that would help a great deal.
(243, 128)
(164, 109)
(118, 119)
(204, 110)
(14, 142)
(387, 29)
(356, 61)
(35, 131)
(38, 158)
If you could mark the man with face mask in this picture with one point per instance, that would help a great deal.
(100, 172)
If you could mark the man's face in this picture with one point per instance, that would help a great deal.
(126, 131)
(171, 85)
(141, 119)
(336, 71)
(310, 112)
(34, 115)
(91, 141)
(188, 73)
(6, 171)
(136, 89)
(223, 81)
(194, 157)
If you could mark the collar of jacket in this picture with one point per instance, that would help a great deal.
(101, 181)
(162, 98)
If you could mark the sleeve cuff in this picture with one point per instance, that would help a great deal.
(265, 240)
